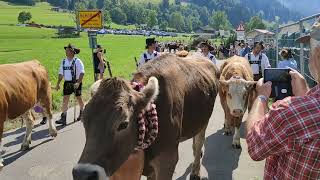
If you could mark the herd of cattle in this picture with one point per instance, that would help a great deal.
(184, 92)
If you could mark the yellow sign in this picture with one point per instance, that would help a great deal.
(90, 19)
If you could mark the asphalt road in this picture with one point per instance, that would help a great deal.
(50, 159)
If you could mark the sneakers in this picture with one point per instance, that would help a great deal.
(80, 115)
(44, 121)
(63, 119)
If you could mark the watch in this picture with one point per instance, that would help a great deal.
(263, 98)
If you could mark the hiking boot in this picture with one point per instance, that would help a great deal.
(63, 119)
(44, 121)
(80, 115)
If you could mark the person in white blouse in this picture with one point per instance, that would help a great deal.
(150, 53)
(205, 49)
(258, 60)
(72, 71)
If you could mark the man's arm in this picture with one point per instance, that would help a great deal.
(259, 108)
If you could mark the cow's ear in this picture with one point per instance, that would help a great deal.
(251, 85)
(150, 92)
(224, 85)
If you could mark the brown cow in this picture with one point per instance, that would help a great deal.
(23, 85)
(187, 91)
(132, 168)
(236, 93)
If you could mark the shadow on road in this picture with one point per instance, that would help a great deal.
(220, 159)
(9, 158)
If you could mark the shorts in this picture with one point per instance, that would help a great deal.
(97, 70)
(68, 88)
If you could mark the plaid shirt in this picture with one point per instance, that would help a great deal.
(288, 137)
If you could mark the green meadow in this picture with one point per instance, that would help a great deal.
(18, 44)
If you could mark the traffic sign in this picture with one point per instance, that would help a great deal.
(91, 19)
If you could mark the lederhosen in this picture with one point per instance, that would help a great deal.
(146, 58)
(68, 86)
(256, 77)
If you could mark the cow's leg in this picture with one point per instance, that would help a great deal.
(46, 103)
(198, 142)
(29, 122)
(227, 124)
(236, 136)
(165, 164)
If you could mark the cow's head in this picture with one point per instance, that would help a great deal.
(237, 92)
(110, 123)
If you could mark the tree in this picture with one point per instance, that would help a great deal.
(177, 21)
(107, 17)
(219, 20)
(100, 4)
(152, 18)
(24, 16)
(165, 4)
(255, 23)
(177, 2)
(118, 16)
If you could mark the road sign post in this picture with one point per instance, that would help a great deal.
(91, 19)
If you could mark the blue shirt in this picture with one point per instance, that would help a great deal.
(288, 63)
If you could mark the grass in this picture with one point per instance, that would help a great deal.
(41, 14)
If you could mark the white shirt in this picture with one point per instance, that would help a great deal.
(211, 57)
(149, 57)
(67, 73)
(264, 62)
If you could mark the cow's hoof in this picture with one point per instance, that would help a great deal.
(227, 132)
(236, 146)
(53, 133)
(194, 177)
(1, 166)
(25, 147)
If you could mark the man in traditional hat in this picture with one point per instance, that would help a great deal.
(72, 71)
(258, 60)
(288, 136)
(205, 50)
(99, 63)
(151, 52)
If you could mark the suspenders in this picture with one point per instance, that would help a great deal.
(72, 68)
(146, 58)
(256, 62)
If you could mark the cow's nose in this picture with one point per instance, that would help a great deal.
(238, 111)
(85, 172)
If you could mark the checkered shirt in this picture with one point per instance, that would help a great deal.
(288, 137)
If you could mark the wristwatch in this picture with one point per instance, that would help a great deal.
(263, 98)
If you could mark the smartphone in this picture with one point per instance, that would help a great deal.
(104, 51)
(281, 82)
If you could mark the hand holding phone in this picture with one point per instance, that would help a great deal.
(281, 82)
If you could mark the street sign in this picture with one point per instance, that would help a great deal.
(91, 19)
(240, 32)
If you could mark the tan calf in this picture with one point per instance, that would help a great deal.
(22, 85)
(236, 94)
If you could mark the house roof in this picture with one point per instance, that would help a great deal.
(263, 31)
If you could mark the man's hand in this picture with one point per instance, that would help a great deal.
(264, 88)
(101, 65)
(57, 88)
(76, 85)
(298, 83)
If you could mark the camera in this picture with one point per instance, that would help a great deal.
(281, 82)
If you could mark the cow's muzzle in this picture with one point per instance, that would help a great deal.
(89, 172)
(237, 112)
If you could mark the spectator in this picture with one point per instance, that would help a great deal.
(246, 50)
(288, 136)
(258, 60)
(287, 60)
